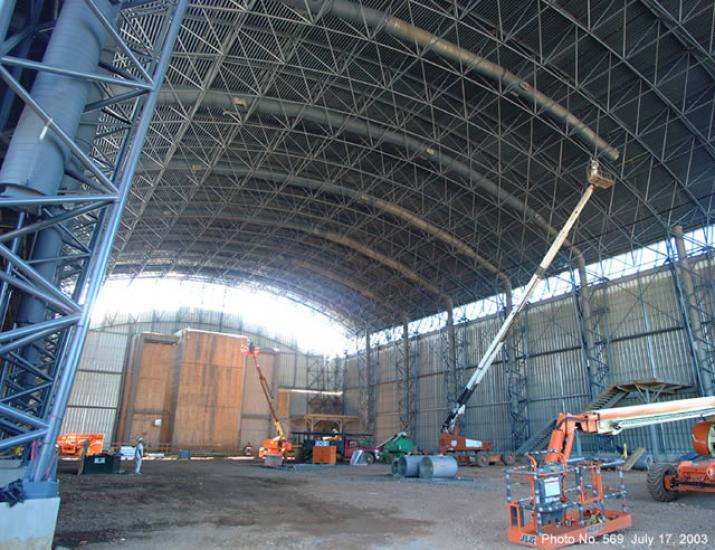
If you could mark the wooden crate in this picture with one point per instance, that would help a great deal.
(324, 455)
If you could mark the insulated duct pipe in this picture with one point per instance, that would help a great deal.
(359, 196)
(35, 160)
(49, 242)
(336, 120)
(347, 242)
(360, 14)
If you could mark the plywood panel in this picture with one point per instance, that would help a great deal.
(208, 399)
(148, 390)
(157, 367)
(284, 404)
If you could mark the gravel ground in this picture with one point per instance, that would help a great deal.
(229, 504)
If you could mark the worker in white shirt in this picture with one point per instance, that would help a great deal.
(138, 455)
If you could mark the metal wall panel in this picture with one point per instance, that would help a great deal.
(639, 319)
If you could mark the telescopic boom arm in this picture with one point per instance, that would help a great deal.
(595, 180)
(615, 420)
(253, 352)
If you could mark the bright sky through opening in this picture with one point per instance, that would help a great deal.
(277, 316)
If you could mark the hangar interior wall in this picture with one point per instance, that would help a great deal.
(641, 330)
(96, 395)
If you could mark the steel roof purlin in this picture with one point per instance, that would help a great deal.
(379, 160)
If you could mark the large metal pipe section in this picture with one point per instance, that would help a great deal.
(409, 466)
(35, 160)
(696, 327)
(49, 242)
(438, 467)
(361, 14)
(615, 420)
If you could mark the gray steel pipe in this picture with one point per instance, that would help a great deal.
(438, 467)
(35, 160)
(409, 466)
(376, 19)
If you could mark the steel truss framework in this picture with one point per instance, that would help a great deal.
(324, 380)
(320, 152)
(353, 159)
(84, 121)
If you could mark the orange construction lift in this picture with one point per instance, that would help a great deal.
(280, 445)
(567, 500)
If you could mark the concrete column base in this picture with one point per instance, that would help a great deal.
(29, 525)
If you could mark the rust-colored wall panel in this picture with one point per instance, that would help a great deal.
(203, 390)
(147, 390)
(208, 399)
(143, 425)
(157, 365)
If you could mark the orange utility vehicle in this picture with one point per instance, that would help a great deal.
(472, 450)
(567, 500)
(667, 481)
(278, 445)
(72, 445)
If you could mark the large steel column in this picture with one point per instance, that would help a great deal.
(68, 206)
(700, 337)
(515, 354)
(592, 342)
(370, 384)
(448, 344)
(404, 380)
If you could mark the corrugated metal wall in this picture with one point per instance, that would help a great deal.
(639, 318)
(95, 397)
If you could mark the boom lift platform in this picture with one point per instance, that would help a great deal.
(567, 500)
(473, 449)
(280, 445)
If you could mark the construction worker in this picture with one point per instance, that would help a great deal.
(138, 456)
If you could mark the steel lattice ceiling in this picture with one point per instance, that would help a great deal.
(300, 150)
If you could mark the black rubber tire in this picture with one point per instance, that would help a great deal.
(656, 486)
(508, 459)
(482, 460)
(369, 458)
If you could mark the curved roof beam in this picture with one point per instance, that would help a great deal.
(347, 242)
(365, 292)
(230, 102)
(359, 196)
(376, 19)
(236, 254)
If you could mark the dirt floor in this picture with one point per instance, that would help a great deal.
(228, 504)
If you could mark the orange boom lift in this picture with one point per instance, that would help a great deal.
(278, 445)
(568, 501)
